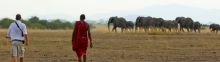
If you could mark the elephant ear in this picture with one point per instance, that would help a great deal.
(138, 19)
(111, 19)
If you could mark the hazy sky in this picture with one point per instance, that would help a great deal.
(71, 9)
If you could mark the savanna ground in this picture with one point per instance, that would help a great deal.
(55, 46)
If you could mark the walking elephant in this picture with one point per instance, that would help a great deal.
(196, 26)
(118, 22)
(143, 23)
(169, 24)
(186, 23)
(130, 25)
(214, 28)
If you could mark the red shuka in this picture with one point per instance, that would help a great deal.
(80, 38)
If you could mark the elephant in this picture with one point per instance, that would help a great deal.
(144, 22)
(169, 24)
(196, 26)
(138, 23)
(189, 24)
(214, 28)
(130, 25)
(157, 22)
(117, 22)
(186, 23)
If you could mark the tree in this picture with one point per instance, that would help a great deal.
(36, 23)
(34, 19)
(5, 22)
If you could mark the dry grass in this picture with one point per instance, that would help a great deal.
(55, 46)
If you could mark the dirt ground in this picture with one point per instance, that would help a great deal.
(55, 46)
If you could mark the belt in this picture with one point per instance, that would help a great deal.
(17, 40)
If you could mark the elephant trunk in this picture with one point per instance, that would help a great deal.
(108, 26)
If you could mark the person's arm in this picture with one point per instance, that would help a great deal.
(9, 31)
(90, 38)
(26, 40)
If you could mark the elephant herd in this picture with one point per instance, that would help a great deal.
(148, 23)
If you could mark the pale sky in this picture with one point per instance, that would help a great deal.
(71, 9)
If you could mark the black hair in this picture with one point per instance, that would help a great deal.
(82, 17)
(18, 17)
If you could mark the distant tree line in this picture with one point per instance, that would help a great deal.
(36, 23)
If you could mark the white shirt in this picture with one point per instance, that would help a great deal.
(14, 32)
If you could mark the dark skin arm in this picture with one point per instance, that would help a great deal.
(90, 38)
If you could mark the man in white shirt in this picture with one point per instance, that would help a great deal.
(17, 32)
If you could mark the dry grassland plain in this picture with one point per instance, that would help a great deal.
(55, 46)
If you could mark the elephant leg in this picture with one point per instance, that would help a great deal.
(145, 29)
(181, 29)
(163, 29)
(132, 29)
(194, 30)
(114, 29)
(188, 29)
(122, 29)
(135, 29)
(191, 30)
(177, 30)
(212, 30)
(171, 29)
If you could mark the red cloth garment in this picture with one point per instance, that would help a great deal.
(80, 38)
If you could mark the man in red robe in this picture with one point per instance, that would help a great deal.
(81, 36)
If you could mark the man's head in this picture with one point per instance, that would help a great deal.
(82, 17)
(18, 17)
